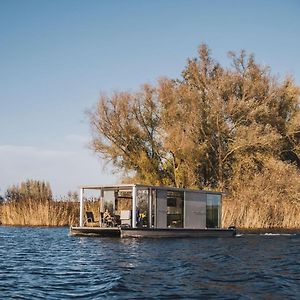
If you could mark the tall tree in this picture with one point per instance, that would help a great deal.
(126, 132)
(212, 127)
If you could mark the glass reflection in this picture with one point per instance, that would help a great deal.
(213, 211)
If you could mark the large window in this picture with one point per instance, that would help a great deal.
(142, 218)
(213, 211)
(124, 207)
(175, 209)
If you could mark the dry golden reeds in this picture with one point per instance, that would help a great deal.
(260, 214)
(44, 213)
(39, 213)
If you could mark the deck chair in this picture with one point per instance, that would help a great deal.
(90, 220)
(125, 218)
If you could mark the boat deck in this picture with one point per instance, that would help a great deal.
(151, 232)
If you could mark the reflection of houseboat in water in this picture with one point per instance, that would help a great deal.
(151, 211)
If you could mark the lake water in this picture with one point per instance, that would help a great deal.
(45, 263)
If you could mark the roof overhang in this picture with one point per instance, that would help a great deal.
(129, 187)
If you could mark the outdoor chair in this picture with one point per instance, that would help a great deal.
(110, 221)
(90, 220)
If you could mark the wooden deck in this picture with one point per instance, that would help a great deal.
(151, 232)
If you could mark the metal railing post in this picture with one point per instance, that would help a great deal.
(134, 202)
(81, 207)
(150, 201)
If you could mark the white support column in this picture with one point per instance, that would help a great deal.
(220, 213)
(81, 207)
(101, 208)
(134, 202)
(150, 207)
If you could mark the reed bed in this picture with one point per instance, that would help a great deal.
(260, 214)
(251, 213)
(44, 213)
(270, 199)
(39, 213)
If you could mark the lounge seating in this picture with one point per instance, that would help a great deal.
(110, 220)
(90, 220)
(106, 220)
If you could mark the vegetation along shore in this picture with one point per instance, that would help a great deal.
(24, 208)
(234, 129)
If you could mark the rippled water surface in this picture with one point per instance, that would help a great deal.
(46, 263)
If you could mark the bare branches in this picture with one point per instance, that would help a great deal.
(210, 127)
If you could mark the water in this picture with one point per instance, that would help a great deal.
(45, 263)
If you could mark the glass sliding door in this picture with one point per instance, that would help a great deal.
(161, 209)
(142, 217)
(169, 209)
(213, 211)
(195, 210)
(175, 209)
(124, 207)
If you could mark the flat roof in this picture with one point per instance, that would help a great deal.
(142, 186)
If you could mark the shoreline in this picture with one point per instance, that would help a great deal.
(277, 230)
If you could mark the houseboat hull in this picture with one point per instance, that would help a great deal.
(128, 232)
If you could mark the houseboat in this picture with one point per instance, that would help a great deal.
(133, 210)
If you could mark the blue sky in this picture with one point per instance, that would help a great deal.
(57, 56)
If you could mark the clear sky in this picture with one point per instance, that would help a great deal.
(56, 56)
